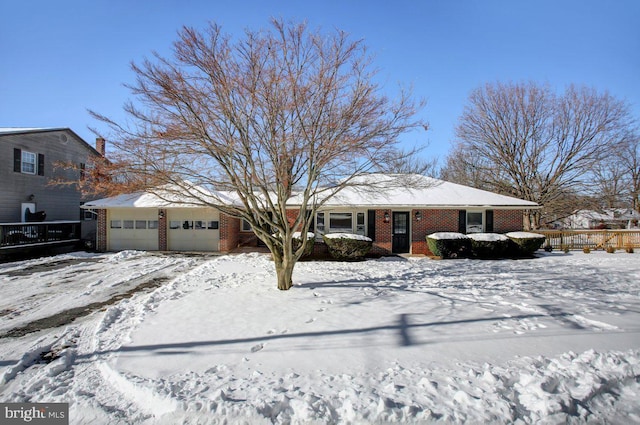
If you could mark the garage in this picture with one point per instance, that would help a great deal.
(193, 229)
(132, 228)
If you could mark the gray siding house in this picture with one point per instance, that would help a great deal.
(30, 166)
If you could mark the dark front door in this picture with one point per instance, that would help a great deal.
(400, 240)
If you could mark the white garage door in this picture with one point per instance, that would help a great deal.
(193, 229)
(133, 228)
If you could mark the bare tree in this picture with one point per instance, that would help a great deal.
(409, 162)
(629, 158)
(277, 114)
(523, 140)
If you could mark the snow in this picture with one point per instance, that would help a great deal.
(165, 197)
(487, 237)
(414, 191)
(524, 235)
(447, 235)
(297, 235)
(347, 236)
(368, 191)
(553, 339)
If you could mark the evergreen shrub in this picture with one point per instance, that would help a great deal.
(449, 245)
(346, 246)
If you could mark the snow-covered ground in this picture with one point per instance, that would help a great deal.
(555, 339)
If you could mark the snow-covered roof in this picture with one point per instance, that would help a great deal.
(11, 130)
(372, 190)
(164, 199)
(392, 190)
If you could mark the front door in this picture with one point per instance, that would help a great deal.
(400, 240)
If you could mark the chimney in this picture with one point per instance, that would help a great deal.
(101, 145)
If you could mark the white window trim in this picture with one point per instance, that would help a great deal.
(24, 162)
(484, 220)
(327, 222)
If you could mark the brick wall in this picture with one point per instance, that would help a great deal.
(382, 244)
(505, 221)
(229, 232)
(440, 220)
(162, 230)
(101, 231)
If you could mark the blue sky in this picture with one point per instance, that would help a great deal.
(58, 59)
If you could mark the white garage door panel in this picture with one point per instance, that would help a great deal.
(192, 229)
(133, 229)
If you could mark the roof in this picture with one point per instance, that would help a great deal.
(414, 190)
(161, 199)
(372, 190)
(25, 130)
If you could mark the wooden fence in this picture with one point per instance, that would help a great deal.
(593, 239)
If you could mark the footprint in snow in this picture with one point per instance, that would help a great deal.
(311, 320)
(257, 348)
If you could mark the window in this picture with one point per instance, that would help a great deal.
(116, 224)
(340, 222)
(213, 225)
(199, 225)
(28, 162)
(152, 224)
(360, 223)
(127, 224)
(141, 224)
(246, 227)
(320, 222)
(174, 225)
(474, 222)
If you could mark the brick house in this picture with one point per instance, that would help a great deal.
(395, 215)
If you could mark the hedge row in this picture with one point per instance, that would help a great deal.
(485, 245)
(345, 246)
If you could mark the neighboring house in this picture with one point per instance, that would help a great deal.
(32, 156)
(397, 219)
(611, 218)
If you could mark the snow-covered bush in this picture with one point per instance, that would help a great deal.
(297, 240)
(347, 246)
(525, 243)
(489, 245)
(449, 245)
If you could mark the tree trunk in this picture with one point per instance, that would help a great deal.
(284, 271)
(284, 260)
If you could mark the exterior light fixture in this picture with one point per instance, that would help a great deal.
(386, 217)
(161, 214)
(418, 215)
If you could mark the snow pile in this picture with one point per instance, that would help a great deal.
(487, 237)
(379, 341)
(524, 235)
(447, 235)
(298, 235)
(347, 236)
